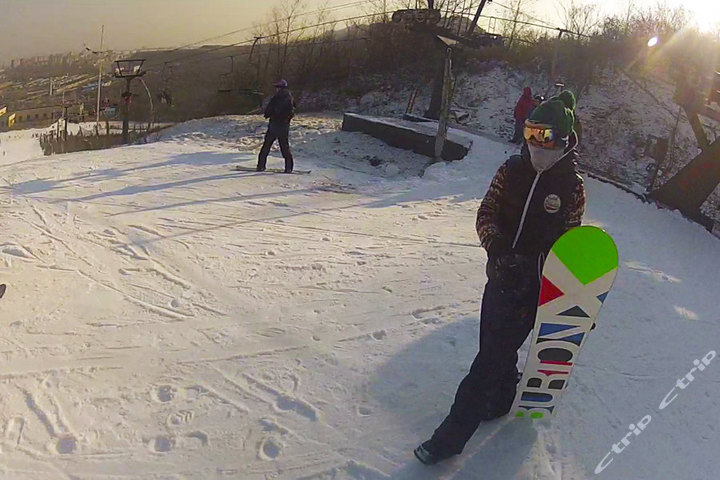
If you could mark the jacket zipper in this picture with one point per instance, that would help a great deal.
(524, 214)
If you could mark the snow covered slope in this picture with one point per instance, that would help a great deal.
(169, 318)
(617, 113)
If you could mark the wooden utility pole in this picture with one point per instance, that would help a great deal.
(447, 92)
(65, 117)
(514, 20)
(127, 97)
(476, 17)
(553, 67)
(258, 63)
(99, 86)
(151, 120)
(445, 109)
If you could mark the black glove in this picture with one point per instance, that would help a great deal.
(498, 246)
(512, 262)
(515, 270)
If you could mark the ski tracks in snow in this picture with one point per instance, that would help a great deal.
(211, 320)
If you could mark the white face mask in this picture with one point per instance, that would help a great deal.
(543, 159)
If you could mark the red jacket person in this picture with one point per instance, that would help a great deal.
(523, 108)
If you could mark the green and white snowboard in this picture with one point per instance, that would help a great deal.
(576, 279)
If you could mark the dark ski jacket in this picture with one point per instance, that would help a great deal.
(524, 212)
(281, 107)
(525, 105)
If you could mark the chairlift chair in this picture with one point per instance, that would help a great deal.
(226, 81)
(166, 75)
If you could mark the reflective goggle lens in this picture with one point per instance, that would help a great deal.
(542, 134)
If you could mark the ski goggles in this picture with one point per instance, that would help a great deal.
(543, 135)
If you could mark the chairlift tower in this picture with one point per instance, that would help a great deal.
(430, 21)
(698, 93)
(128, 70)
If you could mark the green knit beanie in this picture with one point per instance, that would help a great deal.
(567, 97)
(554, 112)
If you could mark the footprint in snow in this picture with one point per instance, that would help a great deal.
(270, 425)
(14, 429)
(285, 403)
(181, 417)
(165, 393)
(66, 444)
(379, 335)
(198, 435)
(161, 444)
(269, 449)
(364, 411)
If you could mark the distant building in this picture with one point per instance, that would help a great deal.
(40, 116)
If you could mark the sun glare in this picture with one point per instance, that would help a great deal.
(706, 14)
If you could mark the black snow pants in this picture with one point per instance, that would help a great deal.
(507, 316)
(279, 131)
(518, 135)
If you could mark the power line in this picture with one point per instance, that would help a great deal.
(246, 29)
(298, 45)
(286, 32)
(536, 25)
(543, 24)
(548, 24)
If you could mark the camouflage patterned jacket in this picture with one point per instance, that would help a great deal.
(525, 212)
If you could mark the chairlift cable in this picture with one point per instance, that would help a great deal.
(336, 7)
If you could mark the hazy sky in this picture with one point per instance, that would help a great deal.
(39, 27)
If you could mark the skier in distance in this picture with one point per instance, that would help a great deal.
(280, 110)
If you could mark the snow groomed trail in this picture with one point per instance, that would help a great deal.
(168, 318)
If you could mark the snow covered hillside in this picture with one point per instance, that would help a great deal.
(169, 318)
(617, 115)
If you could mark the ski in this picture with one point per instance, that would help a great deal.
(577, 276)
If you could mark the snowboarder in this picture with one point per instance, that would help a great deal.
(280, 110)
(532, 200)
(523, 108)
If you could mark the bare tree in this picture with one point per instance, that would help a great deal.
(379, 8)
(383, 9)
(282, 29)
(312, 47)
(580, 18)
(289, 10)
(514, 25)
(630, 9)
(659, 20)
